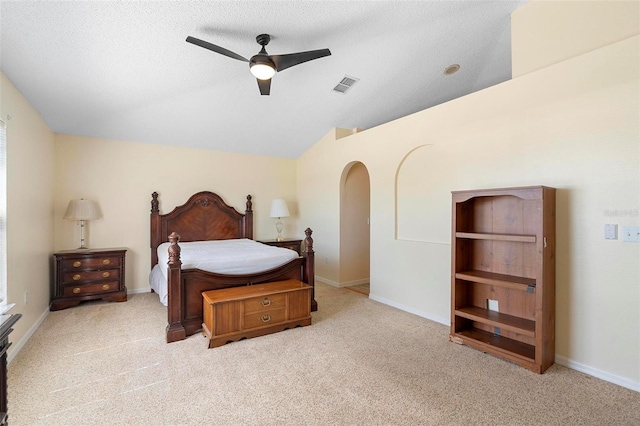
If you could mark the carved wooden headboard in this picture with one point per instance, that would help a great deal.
(205, 216)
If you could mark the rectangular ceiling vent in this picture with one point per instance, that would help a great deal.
(345, 84)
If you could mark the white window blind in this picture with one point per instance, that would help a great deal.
(3, 212)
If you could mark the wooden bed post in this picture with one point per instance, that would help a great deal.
(248, 219)
(175, 329)
(155, 238)
(309, 267)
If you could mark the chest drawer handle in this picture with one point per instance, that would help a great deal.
(265, 318)
(76, 277)
(77, 263)
(76, 290)
(105, 275)
(106, 262)
(105, 287)
(266, 302)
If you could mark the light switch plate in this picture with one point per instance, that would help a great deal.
(611, 231)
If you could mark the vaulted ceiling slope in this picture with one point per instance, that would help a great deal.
(123, 70)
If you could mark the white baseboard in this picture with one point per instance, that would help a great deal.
(591, 371)
(383, 300)
(327, 281)
(15, 349)
(355, 282)
(138, 290)
(344, 284)
(409, 309)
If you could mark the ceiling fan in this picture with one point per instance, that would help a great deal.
(262, 65)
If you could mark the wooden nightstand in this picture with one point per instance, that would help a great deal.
(88, 275)
(291, 244)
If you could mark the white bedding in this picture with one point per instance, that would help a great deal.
(239, 256)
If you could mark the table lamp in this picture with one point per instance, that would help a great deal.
(279, 209)
(82, 210)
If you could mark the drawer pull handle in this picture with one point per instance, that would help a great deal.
(265, 318)
(77, 263)
(106, 262)
(105, 275)
(76, 277)
(105, 287)
(266, 302)
(76, 290)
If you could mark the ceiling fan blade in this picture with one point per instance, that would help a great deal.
(283, 62)
(265, 86)
(217, 49)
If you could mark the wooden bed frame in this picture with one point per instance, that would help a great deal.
(205, 216)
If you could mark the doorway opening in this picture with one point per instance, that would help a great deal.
(355, 201)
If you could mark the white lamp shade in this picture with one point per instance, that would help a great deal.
(279, 208)
(82, 210)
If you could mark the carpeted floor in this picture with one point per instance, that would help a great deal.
(360, 363)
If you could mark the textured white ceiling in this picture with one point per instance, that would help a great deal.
(122, 69)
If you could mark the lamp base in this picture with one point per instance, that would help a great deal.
(82, 246)
(279, 226)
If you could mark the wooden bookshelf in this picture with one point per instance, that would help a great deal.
(503, 273)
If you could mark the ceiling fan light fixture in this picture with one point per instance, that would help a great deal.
(262, 71)
(262, 67)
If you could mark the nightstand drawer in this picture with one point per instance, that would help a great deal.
(88, 274)
(103, 287)
(83, 276)
(264, 303)
(91, 263)
(268, 317)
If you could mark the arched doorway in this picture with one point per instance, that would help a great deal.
(355, 199)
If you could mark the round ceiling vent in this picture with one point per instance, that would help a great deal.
(451, 69)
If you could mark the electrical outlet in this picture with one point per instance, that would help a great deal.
(492, 305)
(610, 231)
(631, 234)
(326, 259)
(26, 297)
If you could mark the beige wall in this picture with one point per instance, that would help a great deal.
(544, 32)
(422, 184)
(319, 200)
(121, 176)
(30, 194)
(573, 126)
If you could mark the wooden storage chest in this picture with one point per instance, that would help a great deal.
(237, 313)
